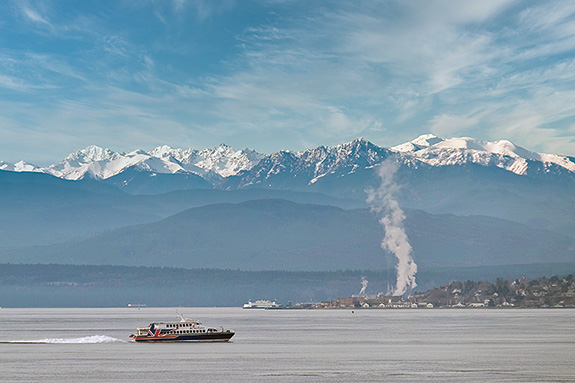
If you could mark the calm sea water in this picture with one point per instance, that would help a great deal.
(92, 345)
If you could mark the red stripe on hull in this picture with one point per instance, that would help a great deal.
(221, 337)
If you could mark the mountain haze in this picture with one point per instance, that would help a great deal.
(284, 235)
(40, 209)
(468, 203)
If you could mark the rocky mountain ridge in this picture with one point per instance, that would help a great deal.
(225, 167)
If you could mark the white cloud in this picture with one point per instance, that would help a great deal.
(34, 16)
(9, 82)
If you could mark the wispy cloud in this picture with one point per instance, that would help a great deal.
(446, 125)
(13, 83)
(290, 74)
(203, 9)
(33, 15)
(452, 68)
(27, 71)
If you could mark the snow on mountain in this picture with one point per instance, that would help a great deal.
(6, 166)
(226, 161)
(286, 169)
(344, 158)
(222, 160)
(305, 167)
(99, 163)
(21, 166)
(419, 143)
(437, 151)
(102, 163)
(308, 166)
(92, 153)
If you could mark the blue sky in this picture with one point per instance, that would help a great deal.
(282, 74)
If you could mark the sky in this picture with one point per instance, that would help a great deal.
(282, 74)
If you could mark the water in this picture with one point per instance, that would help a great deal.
(92, 345)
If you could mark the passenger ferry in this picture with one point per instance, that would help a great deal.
(186, 330)
(261, 304)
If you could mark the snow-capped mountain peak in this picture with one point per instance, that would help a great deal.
(305, 167)
(167, 152)
(23, 166)
(503, 147)
(226, 161)
(92, 153)
(421, 142)
(6, 166)
(162, 151)
(308, 166)
(20, 166)
(100, 163)
(437, 151)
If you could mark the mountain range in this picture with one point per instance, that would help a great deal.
(467, 202)
(225, 167)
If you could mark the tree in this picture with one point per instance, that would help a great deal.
(468, 286)
(502, 287)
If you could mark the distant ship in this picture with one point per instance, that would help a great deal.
(186, 330)
(261, 304)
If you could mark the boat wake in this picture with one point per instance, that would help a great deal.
(87, 340)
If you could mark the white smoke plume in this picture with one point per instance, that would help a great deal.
(363, 286)
(384, 204)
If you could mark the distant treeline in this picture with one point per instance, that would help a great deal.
(29, 274)
(53, 285)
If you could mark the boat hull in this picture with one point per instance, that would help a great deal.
(213, 337)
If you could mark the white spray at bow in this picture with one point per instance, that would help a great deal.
(384, 204)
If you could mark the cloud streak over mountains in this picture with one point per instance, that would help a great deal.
(283, 75)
